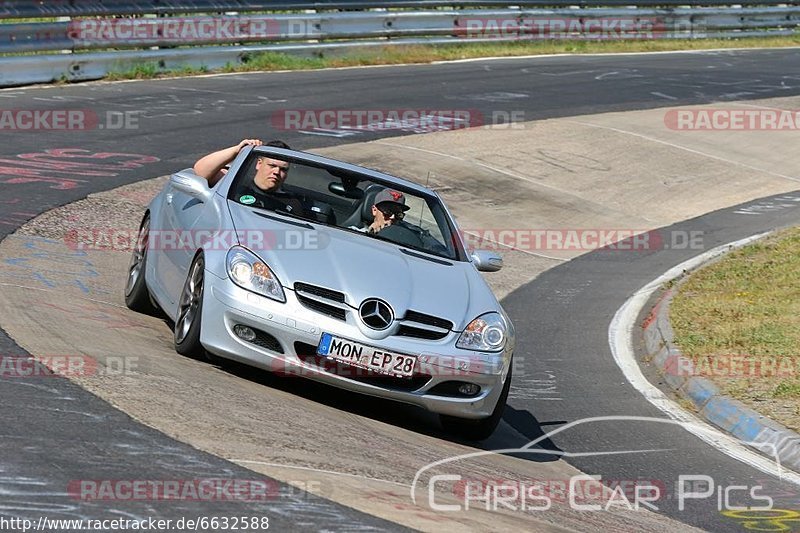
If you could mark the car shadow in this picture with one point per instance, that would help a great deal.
(519, 429)
(409, 417)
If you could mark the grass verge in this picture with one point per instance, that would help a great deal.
(739, 320)
(392, 55)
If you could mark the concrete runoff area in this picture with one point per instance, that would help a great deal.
(617, 171)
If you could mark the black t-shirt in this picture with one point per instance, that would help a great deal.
(289, 202)
(275, 201)
(403, 234)
(412, 235)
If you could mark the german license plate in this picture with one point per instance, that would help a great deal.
(368, 357)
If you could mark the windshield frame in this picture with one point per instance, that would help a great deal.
(243, 164)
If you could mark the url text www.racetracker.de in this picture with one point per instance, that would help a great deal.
(197, 523)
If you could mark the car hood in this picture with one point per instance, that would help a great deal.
(362, 267)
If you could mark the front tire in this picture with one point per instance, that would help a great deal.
(137, 296)
(190, 310)
(482, 428)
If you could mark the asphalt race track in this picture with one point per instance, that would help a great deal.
(571, 307)
(562, 317)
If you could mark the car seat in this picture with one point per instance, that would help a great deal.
(362, 214)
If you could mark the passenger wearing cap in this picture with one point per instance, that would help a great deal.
(389, 208)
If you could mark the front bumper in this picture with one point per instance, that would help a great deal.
(298, 329)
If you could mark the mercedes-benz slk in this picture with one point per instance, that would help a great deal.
(294, 281)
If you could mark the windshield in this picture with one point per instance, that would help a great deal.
(346, 200)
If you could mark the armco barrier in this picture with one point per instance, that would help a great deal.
(104, 8)
(88, 39)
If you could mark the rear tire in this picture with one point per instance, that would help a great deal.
(137, 296)
(482, 428)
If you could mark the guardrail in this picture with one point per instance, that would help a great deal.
(56, 8)
(241, 28)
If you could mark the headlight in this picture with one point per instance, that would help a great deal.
(485, 333)
(249, 272)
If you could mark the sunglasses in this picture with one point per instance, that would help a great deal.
(389, 213)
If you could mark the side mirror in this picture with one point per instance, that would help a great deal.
(190, 183)
(487, 261)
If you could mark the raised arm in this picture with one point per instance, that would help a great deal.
(211, 166)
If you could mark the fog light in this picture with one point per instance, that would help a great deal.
(468, 389)
(244, 333)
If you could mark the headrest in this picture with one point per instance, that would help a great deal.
(368, 201)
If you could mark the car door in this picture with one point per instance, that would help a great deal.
(178, 239)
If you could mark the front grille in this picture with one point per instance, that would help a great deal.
(419, 333)
(414, 316)
(322, 300)
(321, 307)
(328, 294)
(414, 325)
(308, 354)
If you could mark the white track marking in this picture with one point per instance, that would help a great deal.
(664, 96)
(493, 169)
(710, 51)
(43, 289)
(329, 133)
(605, 75)
(309, 469)
(756, 106)
(484, 165)
(620, 339)
(679, 147)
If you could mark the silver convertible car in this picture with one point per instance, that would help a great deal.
(294, 281)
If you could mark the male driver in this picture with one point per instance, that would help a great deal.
(266, 186)
(389, 208)
(213, 166)
(388, 212)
